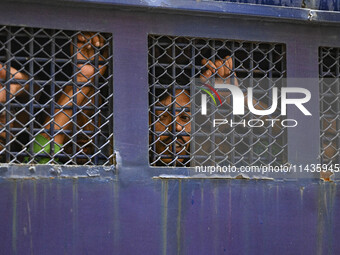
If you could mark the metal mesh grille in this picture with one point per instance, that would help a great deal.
(329, 68)
(179, 135)
(56, 96)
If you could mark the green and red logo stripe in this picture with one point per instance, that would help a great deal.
(209, 93)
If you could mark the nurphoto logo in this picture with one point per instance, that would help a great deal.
(239, 98)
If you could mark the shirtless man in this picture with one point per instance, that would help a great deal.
(61, 121)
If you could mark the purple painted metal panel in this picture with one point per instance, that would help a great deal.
(301, 10)
(168, 217)
(131, 213)
(327, 5)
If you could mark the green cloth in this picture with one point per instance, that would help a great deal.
(40, 144)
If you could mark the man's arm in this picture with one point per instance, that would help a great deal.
(85, 74)
(14, 87)
(222, 69)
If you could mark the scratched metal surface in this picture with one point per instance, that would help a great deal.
(130, 209)
(87, 216)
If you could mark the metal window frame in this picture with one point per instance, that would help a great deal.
(329, 96)
(302, 40)
(193, 50)
(35, 49)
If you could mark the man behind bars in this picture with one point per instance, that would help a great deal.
(172, 147)
(62, 118)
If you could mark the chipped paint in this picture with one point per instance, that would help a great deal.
(301, 192)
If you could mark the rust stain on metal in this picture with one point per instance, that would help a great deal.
(326, 176)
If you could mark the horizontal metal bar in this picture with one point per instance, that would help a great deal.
(48, 106)
(331, 116)
(65, 131)
(217, 135)
(42, 83)
(260, 46)
(237, 158)
(179, 109)
(48, 60)
(42, 155)
(40, 35)
(211, 8)
(188, 67)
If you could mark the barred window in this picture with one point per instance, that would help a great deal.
(181, 70)
(329, 74)
(56, 96)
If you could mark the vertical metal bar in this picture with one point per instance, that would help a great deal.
(8, 89)
(52, 87)
(232, 138)
(74, 97)
(173, 104)
(110, 96)
(321, 90)
(337, 84)
(193, 103)
(284, 137)
(251, 85)
(152, 101)
(212, 116)
(270, 74)
(96, 103)
(31, 88)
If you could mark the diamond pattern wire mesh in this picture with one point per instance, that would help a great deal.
(329, 74)
(178, 133)
(56, 97)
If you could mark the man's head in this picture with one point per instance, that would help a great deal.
(172, 126)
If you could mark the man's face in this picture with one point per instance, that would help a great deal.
(179, 126)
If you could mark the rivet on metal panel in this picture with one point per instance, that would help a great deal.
(32, 169)
(93, 173)
(110, 168)
(56, 170)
